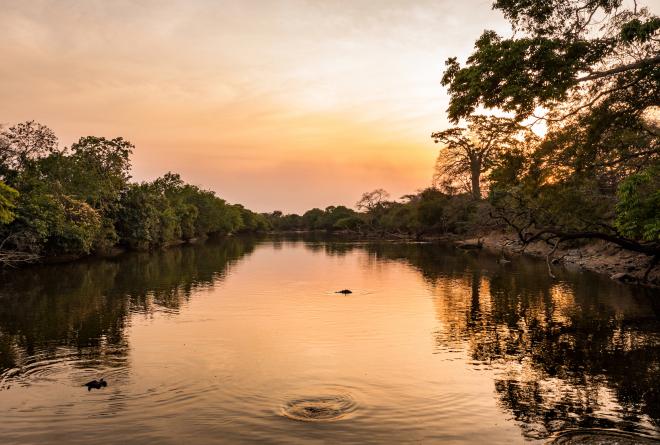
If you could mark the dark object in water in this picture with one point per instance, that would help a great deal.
(344, 291)
(96, 384)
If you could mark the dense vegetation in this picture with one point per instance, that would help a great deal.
(429, 212)
(590, 70)
(79, 199)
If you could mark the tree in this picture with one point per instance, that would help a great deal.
(373, 205)
(94, 170)
(591, 69)
(23, 144)
(471, 151)
(100, 170)
(372, 200)
(311, 219)
(332, 214)
(581, 50)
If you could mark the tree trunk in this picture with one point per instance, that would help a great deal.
(475, 173)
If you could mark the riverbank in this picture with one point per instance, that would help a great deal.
(12, 259)
(596, 256)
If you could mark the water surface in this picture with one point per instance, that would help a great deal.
(244, 340)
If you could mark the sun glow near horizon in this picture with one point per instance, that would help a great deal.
(286, 105)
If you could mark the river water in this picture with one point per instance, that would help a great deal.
(245, 340)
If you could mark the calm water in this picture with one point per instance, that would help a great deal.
(245, 341)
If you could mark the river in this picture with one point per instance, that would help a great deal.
(244, 340)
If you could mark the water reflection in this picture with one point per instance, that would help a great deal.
(579, 352)
(78, 312)
(427, 326)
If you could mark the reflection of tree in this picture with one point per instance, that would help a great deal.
(580, 352)
(82, 308)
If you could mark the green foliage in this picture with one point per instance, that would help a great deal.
(50, 222)
(353, 223)
(545, 62)
(638, 209)
(94, 170)
(8, 198)
(79, 199)
(640, 30)
(74, 229)
(249, 221)
(167, 210)
(591, 68)
(516, 75)
(553, 17)
(331, 219)
(142, 221)
(312, 218)
(428, 212)
(97, 171)
(290, 222)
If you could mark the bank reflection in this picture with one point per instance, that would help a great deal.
(80, 311)
(578, 351)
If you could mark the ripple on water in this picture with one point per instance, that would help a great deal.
(326, 408)
(600, 436)
(45, 367)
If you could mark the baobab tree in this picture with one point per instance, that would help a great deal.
(470, 151)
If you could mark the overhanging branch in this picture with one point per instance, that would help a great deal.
(620, 69)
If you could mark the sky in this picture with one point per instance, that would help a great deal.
(277, 105)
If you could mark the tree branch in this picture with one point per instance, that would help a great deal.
(620, 69)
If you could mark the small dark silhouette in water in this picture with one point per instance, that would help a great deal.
(96, 384)
(344, 291)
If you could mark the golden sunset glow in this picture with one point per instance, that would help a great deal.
(276, 105)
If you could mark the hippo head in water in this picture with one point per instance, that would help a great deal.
(96, 384)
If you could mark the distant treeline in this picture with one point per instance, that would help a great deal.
(429, 212)
(79, 200)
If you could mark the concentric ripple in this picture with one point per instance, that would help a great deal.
(328, 408)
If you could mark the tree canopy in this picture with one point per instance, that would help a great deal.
(589, 69)
(79, 199)
(561, 49)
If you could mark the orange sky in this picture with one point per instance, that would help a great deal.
(274, 104)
